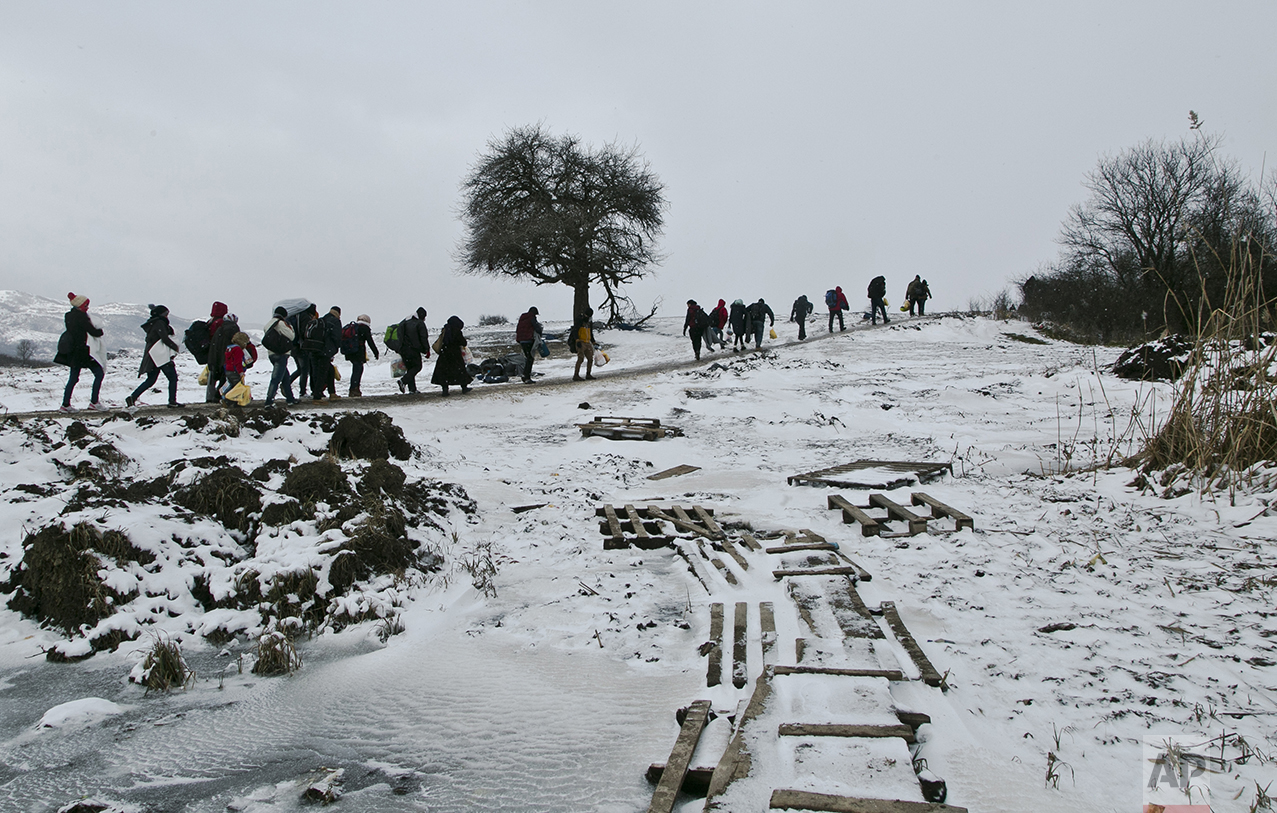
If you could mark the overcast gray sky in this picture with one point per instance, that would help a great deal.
(186, 152)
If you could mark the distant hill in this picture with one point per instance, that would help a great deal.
(25, 316)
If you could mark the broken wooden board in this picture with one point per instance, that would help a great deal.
(904, 732)
(867, 474)
(695, 783)
(667, 789)
(677, 471)
(618, 428)
(736, 761)
(714, 671)
(644, 527)
(894, 675)
(783, 799)
(928, 672)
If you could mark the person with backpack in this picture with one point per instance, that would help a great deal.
(413, 341)
(582, 338)
(158, 356)
(717, 320)
(301, 357)
(836, 301)
(240, 354)
(759, 313)
(877, 290)
(918, 293)
(74, 352)
(697, 320)
(802, 309)
(279, 340)
(355, 337)
(738, 316)
(219, 339)
(322, 340)
(199, 333)
(450, 365)
(528, 334)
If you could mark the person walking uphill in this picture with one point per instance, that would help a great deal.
(759, 313)
(697, 320)
(219, 339)
(450, 366)
(73, 351)
(279, 340)
(878, 290)
(918, 293)
(583, 338)
(355, 337)
(737, 318)
(300, 322)
(802, 309)
(717, 320)
(158, 356)
(836, 301)
(528, 334)
(414, 341)
(322, 340)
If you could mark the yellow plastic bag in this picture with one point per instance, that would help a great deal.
(336, 373)
(240, 394)
(203, 379)
(773, 333)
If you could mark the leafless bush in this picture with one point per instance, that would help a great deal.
(487, 319)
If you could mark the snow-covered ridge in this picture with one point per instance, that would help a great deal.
(41, 320)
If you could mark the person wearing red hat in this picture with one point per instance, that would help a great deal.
(73, 351)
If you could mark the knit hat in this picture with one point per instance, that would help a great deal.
(364, 318)
(335, 310)
(158, 310)
(78, 300)
(241, 339)
(281, 312)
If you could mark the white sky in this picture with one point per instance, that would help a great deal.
(181, 153)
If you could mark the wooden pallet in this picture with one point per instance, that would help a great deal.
(646, 527)
(895, 519)
(890, 474)
(617, 428)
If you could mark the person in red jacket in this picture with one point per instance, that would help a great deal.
(717, 321)
(239, 356)
(837, 304)
(528, 334)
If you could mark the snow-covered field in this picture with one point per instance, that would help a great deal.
(557, 692)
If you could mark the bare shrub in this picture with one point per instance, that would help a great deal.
(276, 654)
(488, 319)
(164, 667)
(482, 567)
(25, 349)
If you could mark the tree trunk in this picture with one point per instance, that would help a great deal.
(580, 297)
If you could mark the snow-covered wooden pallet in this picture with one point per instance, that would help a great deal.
(617, 428)
(865, 474)
(893, 519)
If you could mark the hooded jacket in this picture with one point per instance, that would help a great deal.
(158, 330)
(718, 316)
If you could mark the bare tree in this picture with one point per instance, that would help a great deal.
(550, 209)
(25, 349)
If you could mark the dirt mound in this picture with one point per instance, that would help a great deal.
(320, 481)
(284, 512)
(382, 477)
(378, 545)
(77, 431)
(369, 436)
(277, 466)
(266, 418)
(1160, 360)
(57, 580)
(226, 494)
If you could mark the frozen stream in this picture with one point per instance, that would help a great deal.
(448, 723)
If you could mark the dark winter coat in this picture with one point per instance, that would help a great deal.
(738, 318)
(877, 288)
(220, 340)
(528, 328)
(415, 336)
(759, 312)
(802, 309)
(158, 331)
(73, 345)
(450, 368)
(696, 320)
(364, 334)
(332, 334)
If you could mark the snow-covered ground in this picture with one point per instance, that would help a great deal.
(557, 692)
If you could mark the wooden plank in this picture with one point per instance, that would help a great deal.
(889, 674)
(696, 783)
(779, 549)
(904, 732)
(736, 761)
(861, 574)
(851, 513)
(730, 548)
(636, 521)
(683, 523)
(613, 524)
(677, 471)
(722, 569)
(706, 518)
(783, 799)
(714, 672)
(740, 669)
(895, 510)
(929, 674)
(839, 570)
(750, 541)
(913, 719)
(680, 760)
(767, 626)
(939, 509)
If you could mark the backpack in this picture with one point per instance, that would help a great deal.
(700, 319)
(276, 342)
(393, 338)
(351, 342)
(831, 299)
(313, 341)
(197, 340)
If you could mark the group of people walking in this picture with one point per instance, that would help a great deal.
(742, 321)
